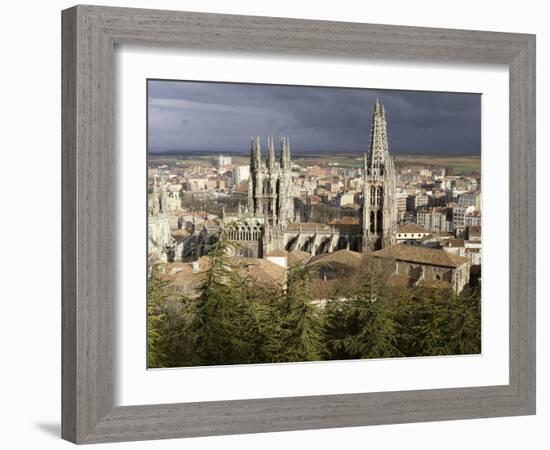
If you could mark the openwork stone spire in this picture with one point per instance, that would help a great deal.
(256, 153)
(379, 216)
(285, 153)
(378, 149)
(270, 153)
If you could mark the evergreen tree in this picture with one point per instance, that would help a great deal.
(223, 318)
(297, 331)
(168, 318)
(341, 321)
(156, 342)
(465, 336)
(375, 312)
(438, 322)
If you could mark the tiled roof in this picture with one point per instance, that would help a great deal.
(421, 255)
(411, 228)
(309, 226)
(277, 253)
(296, 257)
(454, 243)
(346, 220)
(458, 260)
(474, 229)
(264, 271)
(344, 257)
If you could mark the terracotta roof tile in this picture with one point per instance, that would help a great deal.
(421, 255)
(296, 257)
(309, 226)
(412, 228)
(344, 257)
(454, 243)
(346, 220)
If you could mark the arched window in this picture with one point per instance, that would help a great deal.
(379, 196)
(379, 220)
(371, 222)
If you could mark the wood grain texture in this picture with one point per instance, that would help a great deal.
(89, 36)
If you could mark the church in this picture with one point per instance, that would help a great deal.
(271, 221)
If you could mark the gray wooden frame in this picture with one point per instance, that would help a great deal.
(89, 36)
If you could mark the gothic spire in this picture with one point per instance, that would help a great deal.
(378, 150)
(270, 153)
(255, 153)
(285, 152)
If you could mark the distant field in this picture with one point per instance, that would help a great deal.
(324, 160)
(459, 164)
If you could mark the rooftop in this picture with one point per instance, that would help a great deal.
(474, 229)
(308, 226)
(346, 220)
(343, 257)
(412, 228)
(421, 255)
(296, 257)
(454, 243)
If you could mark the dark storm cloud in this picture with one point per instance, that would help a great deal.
(223, 116)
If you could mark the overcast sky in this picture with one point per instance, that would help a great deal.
(221, 117)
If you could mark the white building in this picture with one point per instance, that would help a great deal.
(223, 161)
(411, 234)
(346, 198)
(240, 174)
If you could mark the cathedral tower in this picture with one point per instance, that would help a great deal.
(270, 184)
(379, 215)
(285, 198)
(255, 179)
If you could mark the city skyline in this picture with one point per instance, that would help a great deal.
(221, 117)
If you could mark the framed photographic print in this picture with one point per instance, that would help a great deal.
(277, 224)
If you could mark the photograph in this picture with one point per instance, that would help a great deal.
(311, 223)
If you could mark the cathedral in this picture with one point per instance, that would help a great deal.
(272, 213)
(271, 220)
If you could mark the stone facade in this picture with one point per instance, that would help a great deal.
(426, 266)
(158, 224)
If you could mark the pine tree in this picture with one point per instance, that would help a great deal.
(156, 342)
(465, 333)
(168, 318)
(297, 331)
(341, 321)
(438, 322)
(375, 312)
(223, 316)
